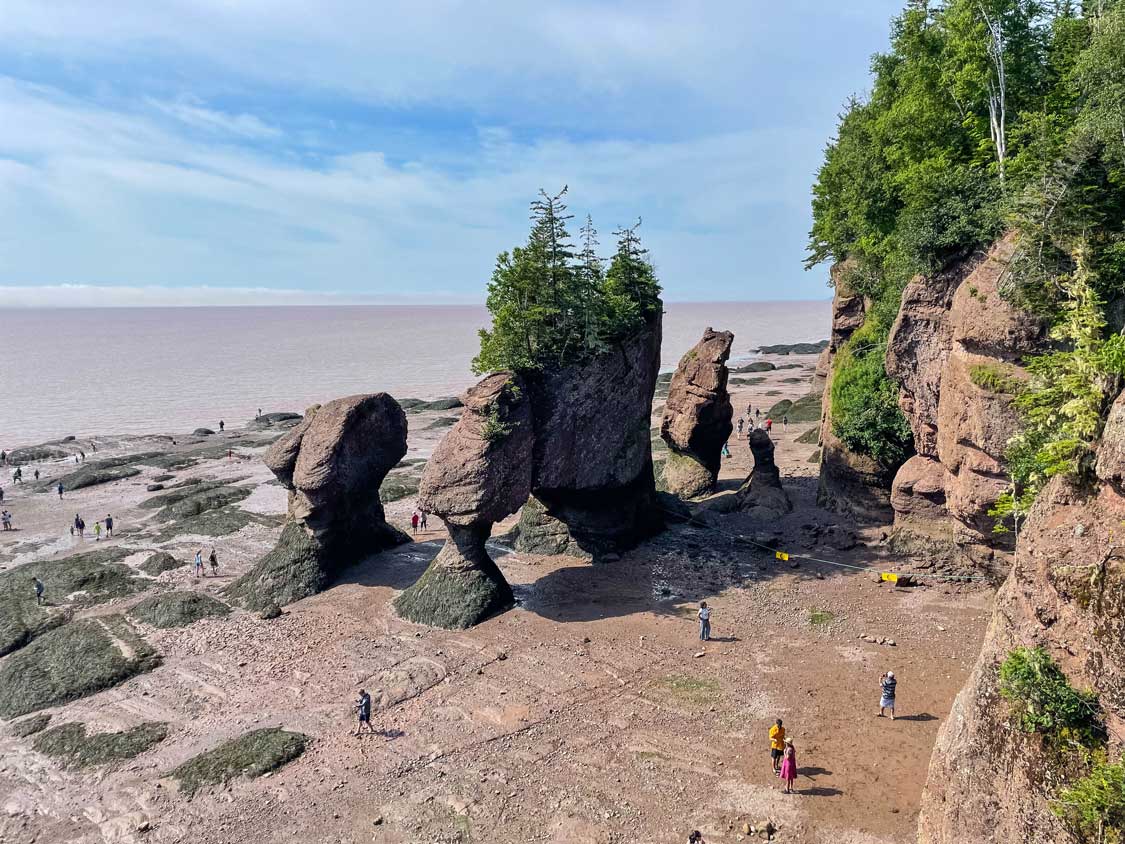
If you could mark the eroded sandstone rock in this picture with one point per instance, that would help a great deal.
(1065, 592)
(479, 473)
(697, 416)
(762, 492)
(333, 463)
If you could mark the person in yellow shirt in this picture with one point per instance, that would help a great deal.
(777, 745)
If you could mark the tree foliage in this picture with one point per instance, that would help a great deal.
(1043, 701)
(553, 306)
(917, 176)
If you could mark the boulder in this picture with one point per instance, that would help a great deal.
(479, 473)
(333, 464)
(762, 492)
(202, 432)
(1065, 592)
(697, 416)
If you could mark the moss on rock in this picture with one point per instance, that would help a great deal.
(251, 755)
(70, 743)
(30, 726)
(454, 593)
(71, 662)
(397, 486)
(177, 609)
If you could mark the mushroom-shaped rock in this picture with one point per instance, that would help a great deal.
(479, 473)
(593, 487)
(762, 492)
(697, 416)
(333, 463)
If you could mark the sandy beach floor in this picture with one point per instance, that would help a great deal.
(589, 713)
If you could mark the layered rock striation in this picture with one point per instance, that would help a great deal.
(1065, 592)
(697, 416)
(333, 463)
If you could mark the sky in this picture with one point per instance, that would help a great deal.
(257, 151)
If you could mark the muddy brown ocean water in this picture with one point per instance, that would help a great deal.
(140, 370)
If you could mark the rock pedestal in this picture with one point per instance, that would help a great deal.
(479, 473)
(697, 416)
(333, 464)
(762, 493)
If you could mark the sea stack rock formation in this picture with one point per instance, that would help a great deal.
(593, 490)
(1065, 592)
(479, 473)
(333, 464)
(762, 493)
(849, 482)
(697, 416)
(956, 350)
(571, 447)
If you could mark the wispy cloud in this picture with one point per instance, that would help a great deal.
(391, 149)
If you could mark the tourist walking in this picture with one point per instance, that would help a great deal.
(363, 712)
(887, 686)
(767, 426)
(17, 475)
(197, 566)
(79, 525)
(777, 745)
(6, 519)
(726, 450)
(222, 426)
(785, 422)
(789, 766)
(1, 495)
(36, 474)
(741, 425)
(97, 531)
(108, 525)
(695, 838)
(38, 591)
(60, 489)
(3, 457)
(414, 522)
(214, 560)
(704, 622)
(758, 414)
(422, 519)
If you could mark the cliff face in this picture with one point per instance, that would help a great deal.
(955, 349)
(849, 482)
(1066, 593)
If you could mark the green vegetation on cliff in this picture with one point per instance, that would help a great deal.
(986, 115)
(552, 306)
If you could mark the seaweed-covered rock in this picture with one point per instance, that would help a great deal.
(160, 562)
(251, 755)
(794, 348)
(697, 416)
(73, 581)
(75, 747)
(202, 432)
(333, 464)
(177, 609)
(479, 473)
(30, 726)
(70, 662)
(762, 492)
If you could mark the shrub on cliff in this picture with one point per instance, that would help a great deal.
(1093, 807)
(1043, 701)
(551, 306)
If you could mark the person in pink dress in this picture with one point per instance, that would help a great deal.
(789, 766)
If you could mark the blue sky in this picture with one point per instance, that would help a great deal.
(213, 151)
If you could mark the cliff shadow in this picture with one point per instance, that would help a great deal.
(399, 567)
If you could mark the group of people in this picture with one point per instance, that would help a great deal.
(418, 521)
(197, 564)
(753, 420)
(105, 525)
(6, 519)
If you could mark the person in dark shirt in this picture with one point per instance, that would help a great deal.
(363, 711)
(38, 591)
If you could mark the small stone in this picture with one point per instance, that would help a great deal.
(891, 642)
(377, 821)
(747, 829)
(503, 655)
(698, 655)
